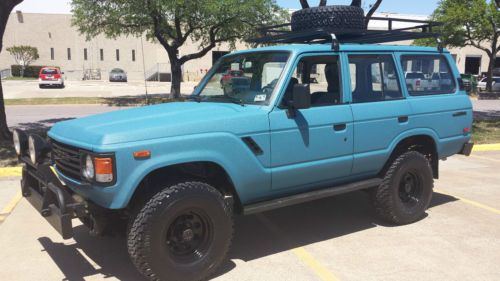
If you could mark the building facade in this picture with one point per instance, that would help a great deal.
(60, 44)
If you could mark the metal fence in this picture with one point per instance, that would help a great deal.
(4, 73)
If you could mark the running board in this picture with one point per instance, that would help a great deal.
(309, 196)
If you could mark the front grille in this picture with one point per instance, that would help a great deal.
(67, 159)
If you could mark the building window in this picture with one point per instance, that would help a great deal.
(69, 53)
(101, 53)
(52, 53)
(85, 55)
(117, 55)
(133, 55)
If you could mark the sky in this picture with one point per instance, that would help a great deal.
(421, 7)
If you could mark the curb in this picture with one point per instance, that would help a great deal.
(487, 147)
(11, 172)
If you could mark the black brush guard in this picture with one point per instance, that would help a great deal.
(54, 201)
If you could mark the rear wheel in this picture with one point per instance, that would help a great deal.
(406, 191)
(182, 233)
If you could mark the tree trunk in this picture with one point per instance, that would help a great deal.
(491, 65)
(176, 69)
(22, 70)
(6, 7)
(5, 133)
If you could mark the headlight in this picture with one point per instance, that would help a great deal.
(37, 148)
(88, 170)
(20, 141)
(32, 149)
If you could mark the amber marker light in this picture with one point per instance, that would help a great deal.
(103, 169)
(143, 154)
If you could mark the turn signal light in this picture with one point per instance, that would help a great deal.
(143, 154)
(103, 169)
(466, 130)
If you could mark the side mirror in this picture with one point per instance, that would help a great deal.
(301, 99)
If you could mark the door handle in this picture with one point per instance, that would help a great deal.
(461, 113)
(403, 119)
(339, 127)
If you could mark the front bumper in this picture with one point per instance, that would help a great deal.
(54, 201)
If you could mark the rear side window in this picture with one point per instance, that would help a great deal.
(373, 78)
(428, 75)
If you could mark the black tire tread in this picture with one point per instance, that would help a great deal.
(382, 196)
(137, 227)
(334, 16)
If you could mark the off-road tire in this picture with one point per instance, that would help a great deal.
(335, 16)
(148, 232)
(388, 199)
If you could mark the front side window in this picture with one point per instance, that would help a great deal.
(322, 73)
(247, 78)
(427, 75)
(373, 78)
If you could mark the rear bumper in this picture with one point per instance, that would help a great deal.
(467, 149)
(54, 201)
(50, 82)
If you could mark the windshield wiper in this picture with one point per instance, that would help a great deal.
(195, 98)
(231, 99)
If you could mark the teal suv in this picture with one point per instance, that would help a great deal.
(298, 123)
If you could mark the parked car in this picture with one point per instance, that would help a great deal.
(416, 81)
(234, 82)
(440, 80)
(117, 75)
(50, 77)
(495, 84)
(177, 173)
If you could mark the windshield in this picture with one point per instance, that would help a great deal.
(246, 78)
(117, 70)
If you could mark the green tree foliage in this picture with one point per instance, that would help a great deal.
(175, 23)
(469, 23)
(23, 55)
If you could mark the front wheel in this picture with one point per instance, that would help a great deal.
(406, 191)
(182, 233)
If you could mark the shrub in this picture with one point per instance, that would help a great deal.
(30, 71)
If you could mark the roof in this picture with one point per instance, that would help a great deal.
(303, 48)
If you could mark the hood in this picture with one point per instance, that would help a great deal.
(157, 121)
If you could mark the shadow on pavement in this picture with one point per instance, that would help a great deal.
(302, 225)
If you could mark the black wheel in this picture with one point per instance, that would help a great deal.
(406, 191)
(182, 233)
(335, 16)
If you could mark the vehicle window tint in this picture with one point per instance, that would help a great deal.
(373, 78)
(49, 71)
(427, 75)
(323, 76)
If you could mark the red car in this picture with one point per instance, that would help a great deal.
(50, 76)
(228, 75)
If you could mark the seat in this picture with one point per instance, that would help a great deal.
(332, 96)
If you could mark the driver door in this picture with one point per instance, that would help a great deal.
(315, 147)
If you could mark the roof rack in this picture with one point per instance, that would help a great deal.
(282, 33)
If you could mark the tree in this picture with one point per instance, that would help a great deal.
(6, 6)
(469, 23)
(23, 55)
(173, 23)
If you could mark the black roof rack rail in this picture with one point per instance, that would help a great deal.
(283, 34)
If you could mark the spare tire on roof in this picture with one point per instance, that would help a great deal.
(335, 16)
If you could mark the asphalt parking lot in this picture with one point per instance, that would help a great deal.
(331, 239)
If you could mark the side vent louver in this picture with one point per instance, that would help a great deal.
(254, 147)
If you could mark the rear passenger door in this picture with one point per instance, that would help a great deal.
(440, 107)
(380, 110)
